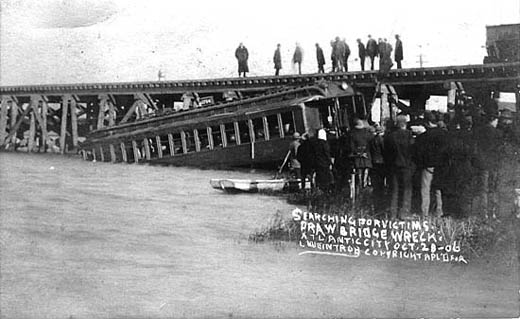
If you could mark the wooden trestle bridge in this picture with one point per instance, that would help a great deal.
(58, 117)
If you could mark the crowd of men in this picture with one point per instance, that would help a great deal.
(443, 162)
(340, 53)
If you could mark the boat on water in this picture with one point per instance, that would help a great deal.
(249, 185)
(251, 131)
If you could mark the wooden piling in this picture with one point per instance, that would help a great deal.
(159, 146)
(113, 157)
(3, 120)
(74, 122)
(146, 149)
(123, 152)
(136, 152)
(13, 127)
(32, 133)
(63, 133)
(170, 143)
(16, 125)
(45, 133)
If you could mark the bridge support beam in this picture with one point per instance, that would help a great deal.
(74, 122)
(3, 119)
(63, 131)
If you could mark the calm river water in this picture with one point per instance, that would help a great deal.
(99, 240)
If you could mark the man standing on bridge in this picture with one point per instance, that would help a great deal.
(320, 58)
(242, 55)
(277, 60)
(371, 50)
(298, 57)
(362, 54)
(398, 51)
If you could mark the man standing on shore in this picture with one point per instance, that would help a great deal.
(362, 54)
(277, 59)
(488, 139)
(242, 55)
(398, 150)
(371, 50)
(320, 58)
(398, 57)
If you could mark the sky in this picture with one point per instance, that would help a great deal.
(85, 41)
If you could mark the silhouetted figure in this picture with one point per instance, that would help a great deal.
(378, 172)
(362, 54)
(298, 57)
(320, 59)
(345, 55)
(322, 161)
(242, 55)
(398, 151)
(338, 52)
(371, 50)
(398, 57)
(305, 156)
(277, 60)
(488, 139)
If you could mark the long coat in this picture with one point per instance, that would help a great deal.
(398, 50)
(298, 55)
(320, 57)
(371, 48)
(242, 55)
(361, 50)
(277, 59)
(359, 140)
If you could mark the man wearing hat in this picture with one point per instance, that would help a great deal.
(398, 152)
(488, 139)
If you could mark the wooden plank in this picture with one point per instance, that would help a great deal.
(74, 123)
(159, 146)
(237, 133)
(32, 133)
(280, 125)
(267, 135)
(197, 140)
(183, 141)
(113, 157)
(170, 143)
(3, 118)
(210, 138)
(123, 152)
(146, 148)
(63, 132)
(136, 152)
(223, 135)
